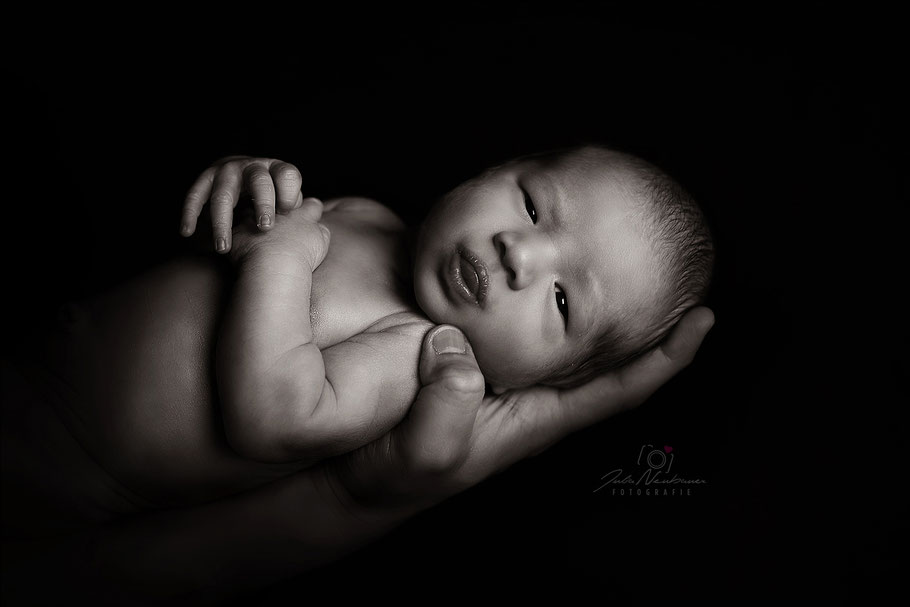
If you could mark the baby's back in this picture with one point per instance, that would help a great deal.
(137, 364)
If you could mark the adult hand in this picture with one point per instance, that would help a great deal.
(455, 437)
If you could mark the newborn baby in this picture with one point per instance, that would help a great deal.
(556, 266)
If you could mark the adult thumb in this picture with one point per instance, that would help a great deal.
(437, 433)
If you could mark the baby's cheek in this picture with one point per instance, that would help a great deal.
(505, 360)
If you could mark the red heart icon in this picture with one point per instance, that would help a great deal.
(667, 448)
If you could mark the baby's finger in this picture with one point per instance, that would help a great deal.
(287, 182)
(225, 194)
(195, 200)
(324, 249)
(258, 182)
(311, 208)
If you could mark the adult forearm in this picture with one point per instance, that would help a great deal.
(206, 553)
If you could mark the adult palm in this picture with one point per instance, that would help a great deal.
(455, 436)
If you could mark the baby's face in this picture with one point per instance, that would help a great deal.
(531, 259)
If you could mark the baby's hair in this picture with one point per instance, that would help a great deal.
(680, 238)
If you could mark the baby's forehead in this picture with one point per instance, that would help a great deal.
(585, 177)
(584, 163)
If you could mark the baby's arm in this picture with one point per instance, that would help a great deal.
(281, 398)
(270, 372)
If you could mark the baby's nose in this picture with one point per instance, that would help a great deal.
(523, 256)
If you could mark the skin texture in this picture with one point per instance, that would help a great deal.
(453, 437)
(559, 237)
(585, 248)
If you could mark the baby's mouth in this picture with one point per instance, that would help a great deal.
(470, 276)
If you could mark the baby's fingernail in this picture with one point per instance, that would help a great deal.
(185, 229)
(325, 231)
(220, 244)
(448, 340)
(265, 220)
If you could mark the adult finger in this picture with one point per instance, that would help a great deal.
(195, 199)
(436, 435)
(634, 383)
(225, 194)
(287, 182)
(257, 182)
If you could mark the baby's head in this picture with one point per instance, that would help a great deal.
(562, 265)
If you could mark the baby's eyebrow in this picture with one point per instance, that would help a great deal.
(557, 201)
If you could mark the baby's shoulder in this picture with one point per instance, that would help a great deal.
(367, 208)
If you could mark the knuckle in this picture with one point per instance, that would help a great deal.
(228, 173)
(462, 380)
(312, 202)
(289, 175)
(223, 198)
(193, 199)
(437, 459)
(261, 183)
(233, 163)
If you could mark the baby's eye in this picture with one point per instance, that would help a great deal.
(529, 206)
(562, 303)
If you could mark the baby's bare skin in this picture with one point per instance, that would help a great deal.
(138, 364)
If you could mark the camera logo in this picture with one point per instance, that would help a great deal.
(654, 474)
(656, 459)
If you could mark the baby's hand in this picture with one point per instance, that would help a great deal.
(272, 185)
(298, 236)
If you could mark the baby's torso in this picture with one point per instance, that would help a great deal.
(139, 363)
(366, 274)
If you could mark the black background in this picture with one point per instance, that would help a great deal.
(784, 122)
